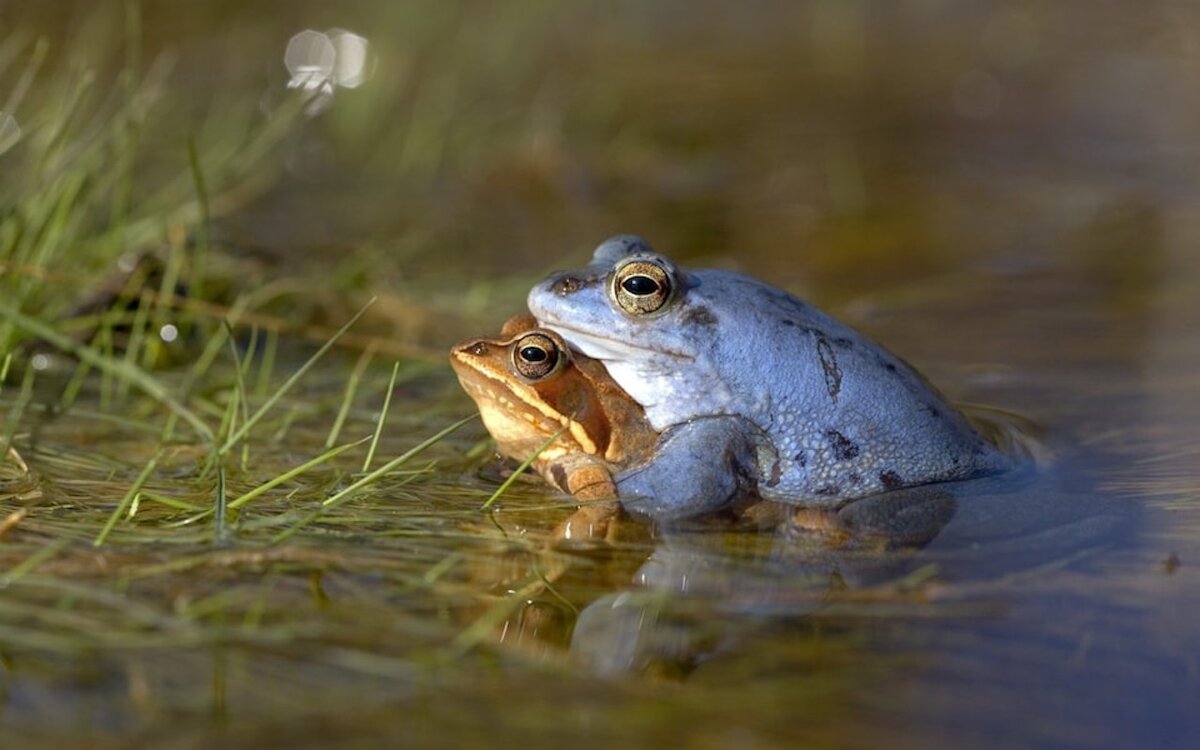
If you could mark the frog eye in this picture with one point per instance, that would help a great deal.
(535, 356)
(642, 287)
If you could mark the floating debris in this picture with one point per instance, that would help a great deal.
(16, 459)
(1171, 564)
(12, 520)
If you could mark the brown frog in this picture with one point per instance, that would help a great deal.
(532, 391)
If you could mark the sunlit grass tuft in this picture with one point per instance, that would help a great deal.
(172, 464)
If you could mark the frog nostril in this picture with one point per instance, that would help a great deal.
(564, 285)
(479, 348)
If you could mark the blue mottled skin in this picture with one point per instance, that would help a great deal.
(753, 389)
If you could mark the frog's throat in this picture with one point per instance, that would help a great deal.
(495, 394)
(606, 348)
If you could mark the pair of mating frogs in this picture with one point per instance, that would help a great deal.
(677, 390)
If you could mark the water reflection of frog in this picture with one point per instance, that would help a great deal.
(743, 380)
(703, 594)
(708, 584)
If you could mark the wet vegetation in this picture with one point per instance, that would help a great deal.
(242, 496)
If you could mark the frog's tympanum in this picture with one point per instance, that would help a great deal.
(752, 389)
(529, 387)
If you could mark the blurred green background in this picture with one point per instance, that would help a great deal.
(834, 147)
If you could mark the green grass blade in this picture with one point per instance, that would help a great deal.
(221, 531)
(18, 410)
(268, 486)
(522, 468)
(29, 564)
(266, 367)
(360, 367)
(387, 402)
(242, 394)
(342, 496)
(137, 335)
(117, 369)
(171, 502)
(410, 475)
(291, 381)
(348, 492)
(126, 501)
(202, 224)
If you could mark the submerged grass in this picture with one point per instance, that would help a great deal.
(129, 498)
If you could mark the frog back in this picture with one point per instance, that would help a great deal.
(847, 417)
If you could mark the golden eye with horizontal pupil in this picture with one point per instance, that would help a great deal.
(641, 287)
(536, 355)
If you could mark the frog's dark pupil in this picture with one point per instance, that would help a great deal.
(534, 354)
(640, 285)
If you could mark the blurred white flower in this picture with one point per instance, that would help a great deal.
(350, 67)
(320, 61)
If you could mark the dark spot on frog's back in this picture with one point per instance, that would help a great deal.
(843, 447)
(776, 474)
(804, 330)
(701, 316)
(829, 363)
(891, 480)
(782, 300)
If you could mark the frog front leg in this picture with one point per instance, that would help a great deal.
(697, 467)
(579, 474)
(589, 480)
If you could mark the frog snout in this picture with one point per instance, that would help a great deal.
(473, 347)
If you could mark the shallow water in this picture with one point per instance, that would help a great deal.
(1004, 197)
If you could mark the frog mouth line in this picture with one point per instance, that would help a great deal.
(610, 348)
(492, 388)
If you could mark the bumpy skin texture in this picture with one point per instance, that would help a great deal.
(841, 416)
(696, 468)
